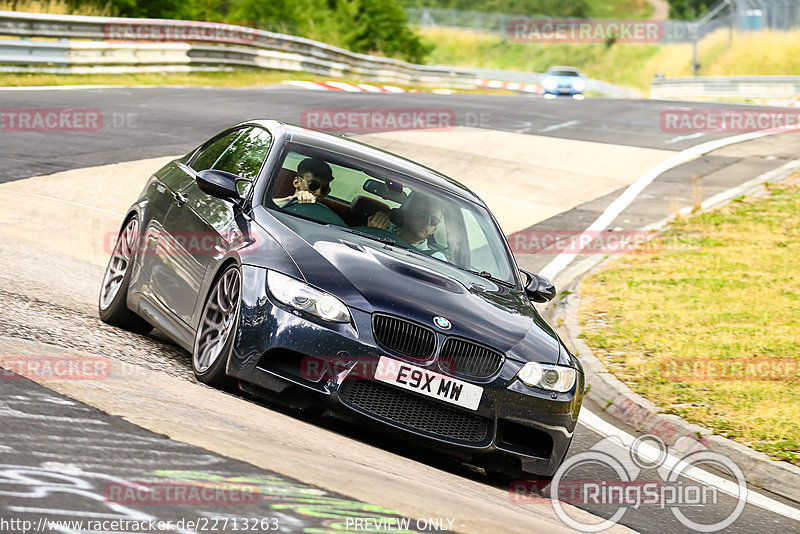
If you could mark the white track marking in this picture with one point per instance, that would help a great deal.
(79, 204)
(559, 126)
(307, 85)
(627, 197)
(684, 138)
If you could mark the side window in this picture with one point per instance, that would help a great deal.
(247, 153)
(209, 156)
(241, 152)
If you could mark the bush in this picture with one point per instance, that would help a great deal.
(369, 26)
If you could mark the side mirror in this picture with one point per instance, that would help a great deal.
(220, 184)
(538, 288)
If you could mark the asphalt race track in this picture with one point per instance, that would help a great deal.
(60, 457)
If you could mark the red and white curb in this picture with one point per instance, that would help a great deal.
(347, 87)
(790, 102)
(512, 86)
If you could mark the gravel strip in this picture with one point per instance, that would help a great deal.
(32, 319)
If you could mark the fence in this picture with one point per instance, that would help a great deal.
(742, 15)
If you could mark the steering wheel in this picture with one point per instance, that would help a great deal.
(314, 210)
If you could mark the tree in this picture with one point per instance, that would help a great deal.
(689, 9)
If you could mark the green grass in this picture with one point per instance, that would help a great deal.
(708, 327)
(619, 9)
(237, 78)
(470, 49)
(57, 7)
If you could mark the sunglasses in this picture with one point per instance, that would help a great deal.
(432, 220)
(313, 185)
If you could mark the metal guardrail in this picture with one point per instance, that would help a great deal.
(208, 43)
(725, 87)
(80, 44)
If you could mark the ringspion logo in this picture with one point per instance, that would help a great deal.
(624, 490)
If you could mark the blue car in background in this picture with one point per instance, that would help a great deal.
(564, 81)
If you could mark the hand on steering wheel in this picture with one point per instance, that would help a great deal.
(305, 197)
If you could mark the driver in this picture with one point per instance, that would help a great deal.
(311, 183)
(421, 216)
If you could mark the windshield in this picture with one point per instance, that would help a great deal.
(389, 207)
(563, 73)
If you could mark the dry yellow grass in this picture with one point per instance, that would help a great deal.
(56, 7)
(752, 53)
(635, 65)
(709, 330)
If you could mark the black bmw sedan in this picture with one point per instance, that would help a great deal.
(297, 264)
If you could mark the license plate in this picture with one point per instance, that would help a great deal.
(428, 383)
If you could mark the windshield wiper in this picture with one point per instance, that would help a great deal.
(386, 240)
(487, 275)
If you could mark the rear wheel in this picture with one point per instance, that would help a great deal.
(213, 341)
(112, 305)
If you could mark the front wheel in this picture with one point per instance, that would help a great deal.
(213, 341)
(112, 304)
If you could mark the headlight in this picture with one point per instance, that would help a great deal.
(546, 376)
(579, 85)
(550, 83)
(305, 298)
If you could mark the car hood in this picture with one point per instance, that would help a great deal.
(371, 277)
(565, 80)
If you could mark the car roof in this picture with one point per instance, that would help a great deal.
(370, 154)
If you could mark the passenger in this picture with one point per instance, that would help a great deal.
(419, 219)
(311, 183)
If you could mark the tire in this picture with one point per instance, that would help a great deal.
(216, 332)
(112, 304)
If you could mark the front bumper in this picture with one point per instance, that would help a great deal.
(563, 90)
(278, 350)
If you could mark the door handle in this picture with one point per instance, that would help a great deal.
(181, 199)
